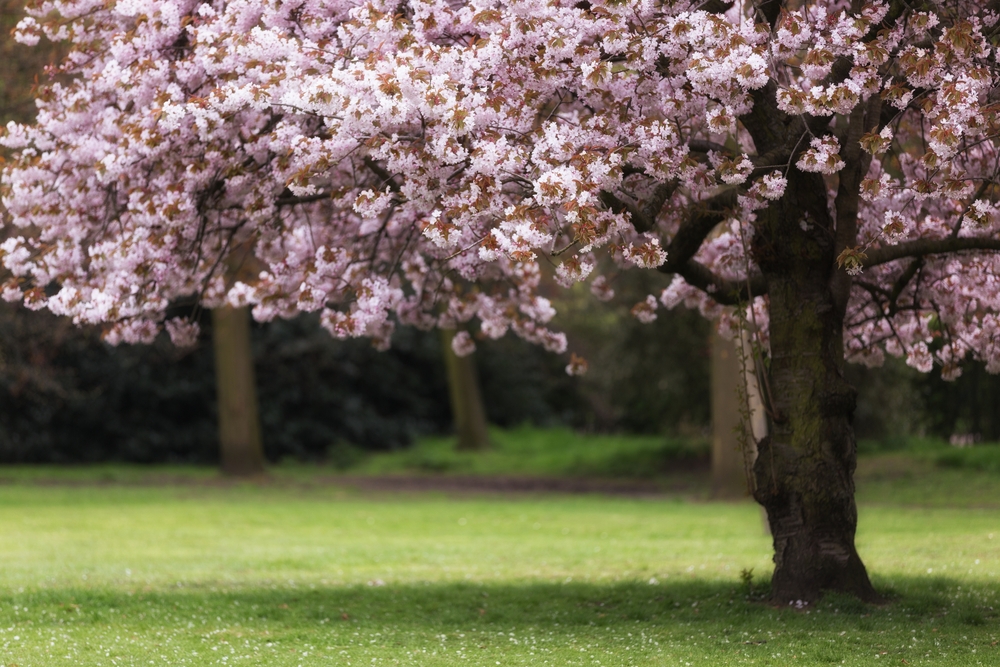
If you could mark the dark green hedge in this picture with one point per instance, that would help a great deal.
(67, 396)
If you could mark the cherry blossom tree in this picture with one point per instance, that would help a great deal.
(820, 172)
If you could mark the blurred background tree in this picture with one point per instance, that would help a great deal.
(468, 412)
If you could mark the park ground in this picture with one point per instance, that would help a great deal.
(316, 565)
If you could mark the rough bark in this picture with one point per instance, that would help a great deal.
(241, 451)
(804, 470)
(467, 409)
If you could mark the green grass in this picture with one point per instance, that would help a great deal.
(555, 452)
(985, 458)
(930, 473)
(131, 566)
(560, 452)
(982, 457)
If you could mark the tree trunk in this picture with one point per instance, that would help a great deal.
(734, 393)
(804, 470)
(239, 425)
(467, 408)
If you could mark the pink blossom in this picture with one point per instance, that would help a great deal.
(646, 255)
(462, 344)
(600, 288)
(577, 365)
(645, 311)
(823, 156)
(183, 332)
(326, 157)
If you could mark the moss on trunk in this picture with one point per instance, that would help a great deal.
(804, 471)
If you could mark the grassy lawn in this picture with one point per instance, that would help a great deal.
(552, 452)
(173, 567)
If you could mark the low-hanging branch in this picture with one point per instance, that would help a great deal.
(703, 218)
(723, 291)
(925, 247)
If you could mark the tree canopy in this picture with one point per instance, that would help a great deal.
(824, 169)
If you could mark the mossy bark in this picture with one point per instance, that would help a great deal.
(241, 451)
(467, 409)
(804, 471)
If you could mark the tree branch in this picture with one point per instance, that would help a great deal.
(724, 292)
(664, 191)
(703, 219)
(765, 122)
(692, 233)
(644, 218)
(704, 146)
(903, 280)
(640, 221)
(717, 6)
(291, 200)
(379, 171)
(847, 200)
(770, 10)
(924, 247)
(891, 296)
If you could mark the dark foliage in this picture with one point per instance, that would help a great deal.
(67, 396)
(889, 405)
(896, 401)
(643, 378)
(523, 383)
(969, 405)
(316, 391)
(23, 66)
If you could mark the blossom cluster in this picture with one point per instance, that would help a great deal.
(420, 162)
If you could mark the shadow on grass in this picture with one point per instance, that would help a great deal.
(941, 602)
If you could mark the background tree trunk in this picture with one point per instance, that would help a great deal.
(467, 408)
(730, 459)
(242, 453)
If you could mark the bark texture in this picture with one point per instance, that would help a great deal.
(241, 451)
(467, 407)
(804, 470)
